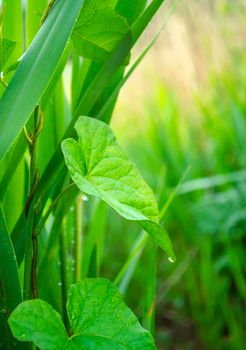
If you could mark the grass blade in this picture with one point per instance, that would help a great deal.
(35, 71)
(10, 291)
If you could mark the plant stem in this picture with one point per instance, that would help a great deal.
(35, 254)
(47, 11)
(78, 237)
(28, 255)
(63, 270)
(32, 211)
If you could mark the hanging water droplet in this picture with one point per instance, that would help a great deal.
(85, 198)
(171, 259)
(59, 283)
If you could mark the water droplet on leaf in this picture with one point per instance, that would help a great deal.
(171, 259)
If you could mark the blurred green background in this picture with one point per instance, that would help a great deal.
(184, 112)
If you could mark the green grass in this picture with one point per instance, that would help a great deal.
(191, 151)
(201, 299)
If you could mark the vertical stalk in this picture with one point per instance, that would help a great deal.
(32, 212)
(150, 297)
(63, 270)
(78, 237)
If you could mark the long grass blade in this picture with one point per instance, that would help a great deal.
(10, 291)
(35, 71)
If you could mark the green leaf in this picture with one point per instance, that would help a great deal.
(99, 30)
(35, 71)
(6, 49)
(99, 320)
(12, 26)
(37, 321)
(131, 9)
(10, 290)
(99, 167)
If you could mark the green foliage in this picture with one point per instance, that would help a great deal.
(99, 319)
(10, 290)
(37, 321)
(131, 9)
(207, 216)
(99, 167)
(42, 213)
(98, 30)
(6, 49)
(38, 65)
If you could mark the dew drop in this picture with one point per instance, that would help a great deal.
(85, 198)
(60, 284)
(96, 304)
(118, 316)
(171, 259)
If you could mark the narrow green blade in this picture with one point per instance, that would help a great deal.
(35, 71)
(10, 291)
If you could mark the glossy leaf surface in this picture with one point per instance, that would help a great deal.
(99, 319)
(37, 321)
(99, 167)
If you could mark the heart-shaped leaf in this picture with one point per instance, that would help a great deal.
(99, 320)
(98, 30)
(37, 321)
(99, 167)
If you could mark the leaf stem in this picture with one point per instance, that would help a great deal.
(63, 270)
(32, 212)
(47, 11)
(78, 237)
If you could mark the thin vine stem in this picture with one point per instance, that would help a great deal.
(78, 237)
(30, 287)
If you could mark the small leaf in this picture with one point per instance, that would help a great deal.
(99, 167)
(100, 319)
(37, 321)
(6, 49)
(99, 30)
